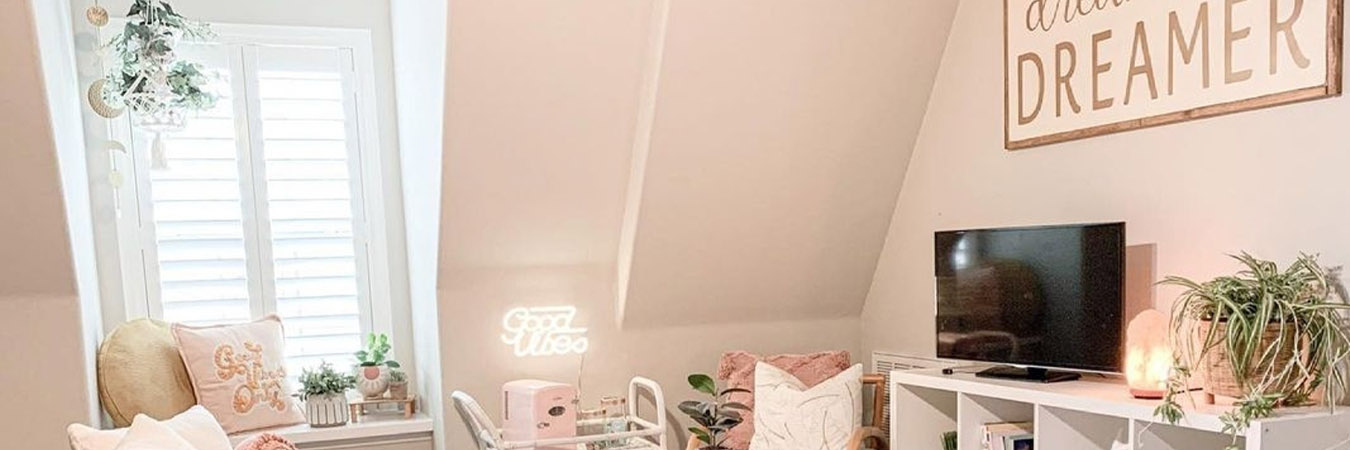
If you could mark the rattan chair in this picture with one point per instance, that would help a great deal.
(869, 436)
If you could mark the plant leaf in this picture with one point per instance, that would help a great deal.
(729, 391)
(703, 383)
(691, 408)
(736, 405)
(701, 435)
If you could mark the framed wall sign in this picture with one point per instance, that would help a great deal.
(1081, 68)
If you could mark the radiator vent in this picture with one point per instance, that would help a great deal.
(884, 362)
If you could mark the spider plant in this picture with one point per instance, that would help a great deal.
(1229, 317)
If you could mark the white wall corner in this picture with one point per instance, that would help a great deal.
(56, 45)
(642, 140)
(418, 29)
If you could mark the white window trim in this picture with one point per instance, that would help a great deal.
(137, 263)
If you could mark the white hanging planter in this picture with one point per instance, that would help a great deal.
(329, 410)
(163, 121)
(147, 77)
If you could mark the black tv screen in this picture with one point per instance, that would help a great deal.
(1044, 297)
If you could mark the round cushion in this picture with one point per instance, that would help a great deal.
(141, 372)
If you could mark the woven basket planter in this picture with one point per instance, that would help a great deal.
(1219, 376)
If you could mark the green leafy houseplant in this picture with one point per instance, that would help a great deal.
(1279, 334)
(145, 73)
(324, 381)
(398, 384)
(376, 352)
(715, 416)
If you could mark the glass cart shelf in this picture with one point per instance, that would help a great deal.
(642, 434)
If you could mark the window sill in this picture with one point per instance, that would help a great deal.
(371, 428)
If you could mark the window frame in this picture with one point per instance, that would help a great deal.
(135, 231)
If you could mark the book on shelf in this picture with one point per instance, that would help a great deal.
(992, 434)
(949, 440)
(1019, 442)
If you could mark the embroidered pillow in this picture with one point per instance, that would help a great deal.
(738, 370)
(239, 373)
(791, 416)
(195, 425)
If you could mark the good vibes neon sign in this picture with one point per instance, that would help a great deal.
(543, 331)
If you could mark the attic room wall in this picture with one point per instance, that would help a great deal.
(1269, 181)
(40, 311)
(781, 134)
(541, 106)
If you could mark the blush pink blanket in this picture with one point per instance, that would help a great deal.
(737, 369)
(266, 441)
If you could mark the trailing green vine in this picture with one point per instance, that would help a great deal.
(1308, 351)
(145, 73)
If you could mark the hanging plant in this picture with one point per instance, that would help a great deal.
(146, 76)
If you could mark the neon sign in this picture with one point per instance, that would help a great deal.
(543, 331)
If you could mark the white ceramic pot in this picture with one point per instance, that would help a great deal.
(372, 381)
(327, 410)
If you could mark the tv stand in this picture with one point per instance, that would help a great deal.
(1097, 413)
(1034, 374)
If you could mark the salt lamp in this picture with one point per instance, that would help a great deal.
(1148, 355)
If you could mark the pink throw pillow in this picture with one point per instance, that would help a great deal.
(239, 374)
(737, 369)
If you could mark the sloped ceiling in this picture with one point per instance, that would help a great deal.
(781, 134)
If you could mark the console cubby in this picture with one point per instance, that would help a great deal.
(1069, 429)
(927, 414)
(1160, 436)
(974, 411)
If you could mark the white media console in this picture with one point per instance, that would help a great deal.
(1095, 413)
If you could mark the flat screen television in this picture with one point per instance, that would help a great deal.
(1034, 298)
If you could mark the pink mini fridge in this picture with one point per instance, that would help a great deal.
(535, 409)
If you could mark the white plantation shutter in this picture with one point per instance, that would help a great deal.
(316, 250)
(198, 214)
(261, 210)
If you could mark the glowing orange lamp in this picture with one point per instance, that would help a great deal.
(1148, 355)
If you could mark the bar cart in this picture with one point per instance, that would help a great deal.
(642, 434)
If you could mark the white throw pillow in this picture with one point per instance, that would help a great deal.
(196, 425)
(150, 434)
(788, 416)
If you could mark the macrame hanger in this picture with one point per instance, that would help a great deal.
(158, 160)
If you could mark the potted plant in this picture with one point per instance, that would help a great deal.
(1265, 336)
(398, 384)
(324, 392)
(372, 365)
(146, 75)
(715, 416)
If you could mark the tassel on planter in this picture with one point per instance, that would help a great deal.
(158, 160)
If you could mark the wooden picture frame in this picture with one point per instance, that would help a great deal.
(1332, 87)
